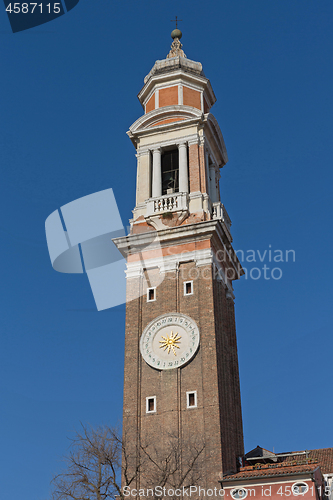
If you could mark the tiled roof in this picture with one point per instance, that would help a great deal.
(324, 456)
(271, 470)
(294, 463)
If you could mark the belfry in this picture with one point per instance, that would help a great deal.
(182, 421)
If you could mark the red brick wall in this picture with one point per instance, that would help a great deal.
(168, 96)
(150, 104)
(197, 168)
(203, 177)
(213, 373)
(169, 120)
(194, 167)
(191, 98)
(206, 108)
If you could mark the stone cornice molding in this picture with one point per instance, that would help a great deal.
(167, 71)
(164, 113)
(211, 136)
(194, 141)
(165, 238)
(215, 137)
(163, 144)
(142, 152)
(175, 62)
(180, 81)
(210, 151)
(170, 263)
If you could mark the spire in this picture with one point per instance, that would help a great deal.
(176, 46)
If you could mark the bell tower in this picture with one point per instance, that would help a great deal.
(182, 420)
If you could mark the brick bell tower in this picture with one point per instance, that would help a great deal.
(181, 386)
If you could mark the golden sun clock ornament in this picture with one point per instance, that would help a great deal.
(169, 341)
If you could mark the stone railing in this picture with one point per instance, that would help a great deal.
(219, 212)
(167, 203)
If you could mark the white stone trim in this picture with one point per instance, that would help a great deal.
(135, 271)
(233, 495)
(148, 290)
(186, 112)
(210, 151)
(157, 173)
(151, 93)
(179, 80)
(188, 400)
(168, 77)
(180, 94)
(169, 266)
(174, 202)
(192, 288)
(166, 239)
(157, 99)
(193, 139)
(216, 132)
(171, 263)
(248, 485)
(182, 167)
(195, 194)
(169, 63)
(142, 152)
(147, 404)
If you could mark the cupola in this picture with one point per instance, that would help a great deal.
(179, 145)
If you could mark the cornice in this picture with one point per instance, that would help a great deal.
(175, 111)
(171, 76)
(165, 238)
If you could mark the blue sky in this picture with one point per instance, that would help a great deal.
(68, 96)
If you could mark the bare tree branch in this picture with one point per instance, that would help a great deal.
(99, 457)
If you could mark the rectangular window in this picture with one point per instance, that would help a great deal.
(151, 294)
(191, 398)
(188, 287)
(151, 404)
(170, 172)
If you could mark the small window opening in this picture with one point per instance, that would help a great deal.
(188, 288)
(191, 399)
(239, 493)
(151, 404)
(151, 294)
(170, 171)
(300, 488)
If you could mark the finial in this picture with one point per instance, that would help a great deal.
(176, 21)
(176, 34)
(176, 46)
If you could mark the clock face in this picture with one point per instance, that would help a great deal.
(169, 341)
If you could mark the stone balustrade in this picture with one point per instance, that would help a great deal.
(167, 203)
(219, 212)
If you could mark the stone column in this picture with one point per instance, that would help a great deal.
(212, 184)
(157, 173)
(183, 174)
